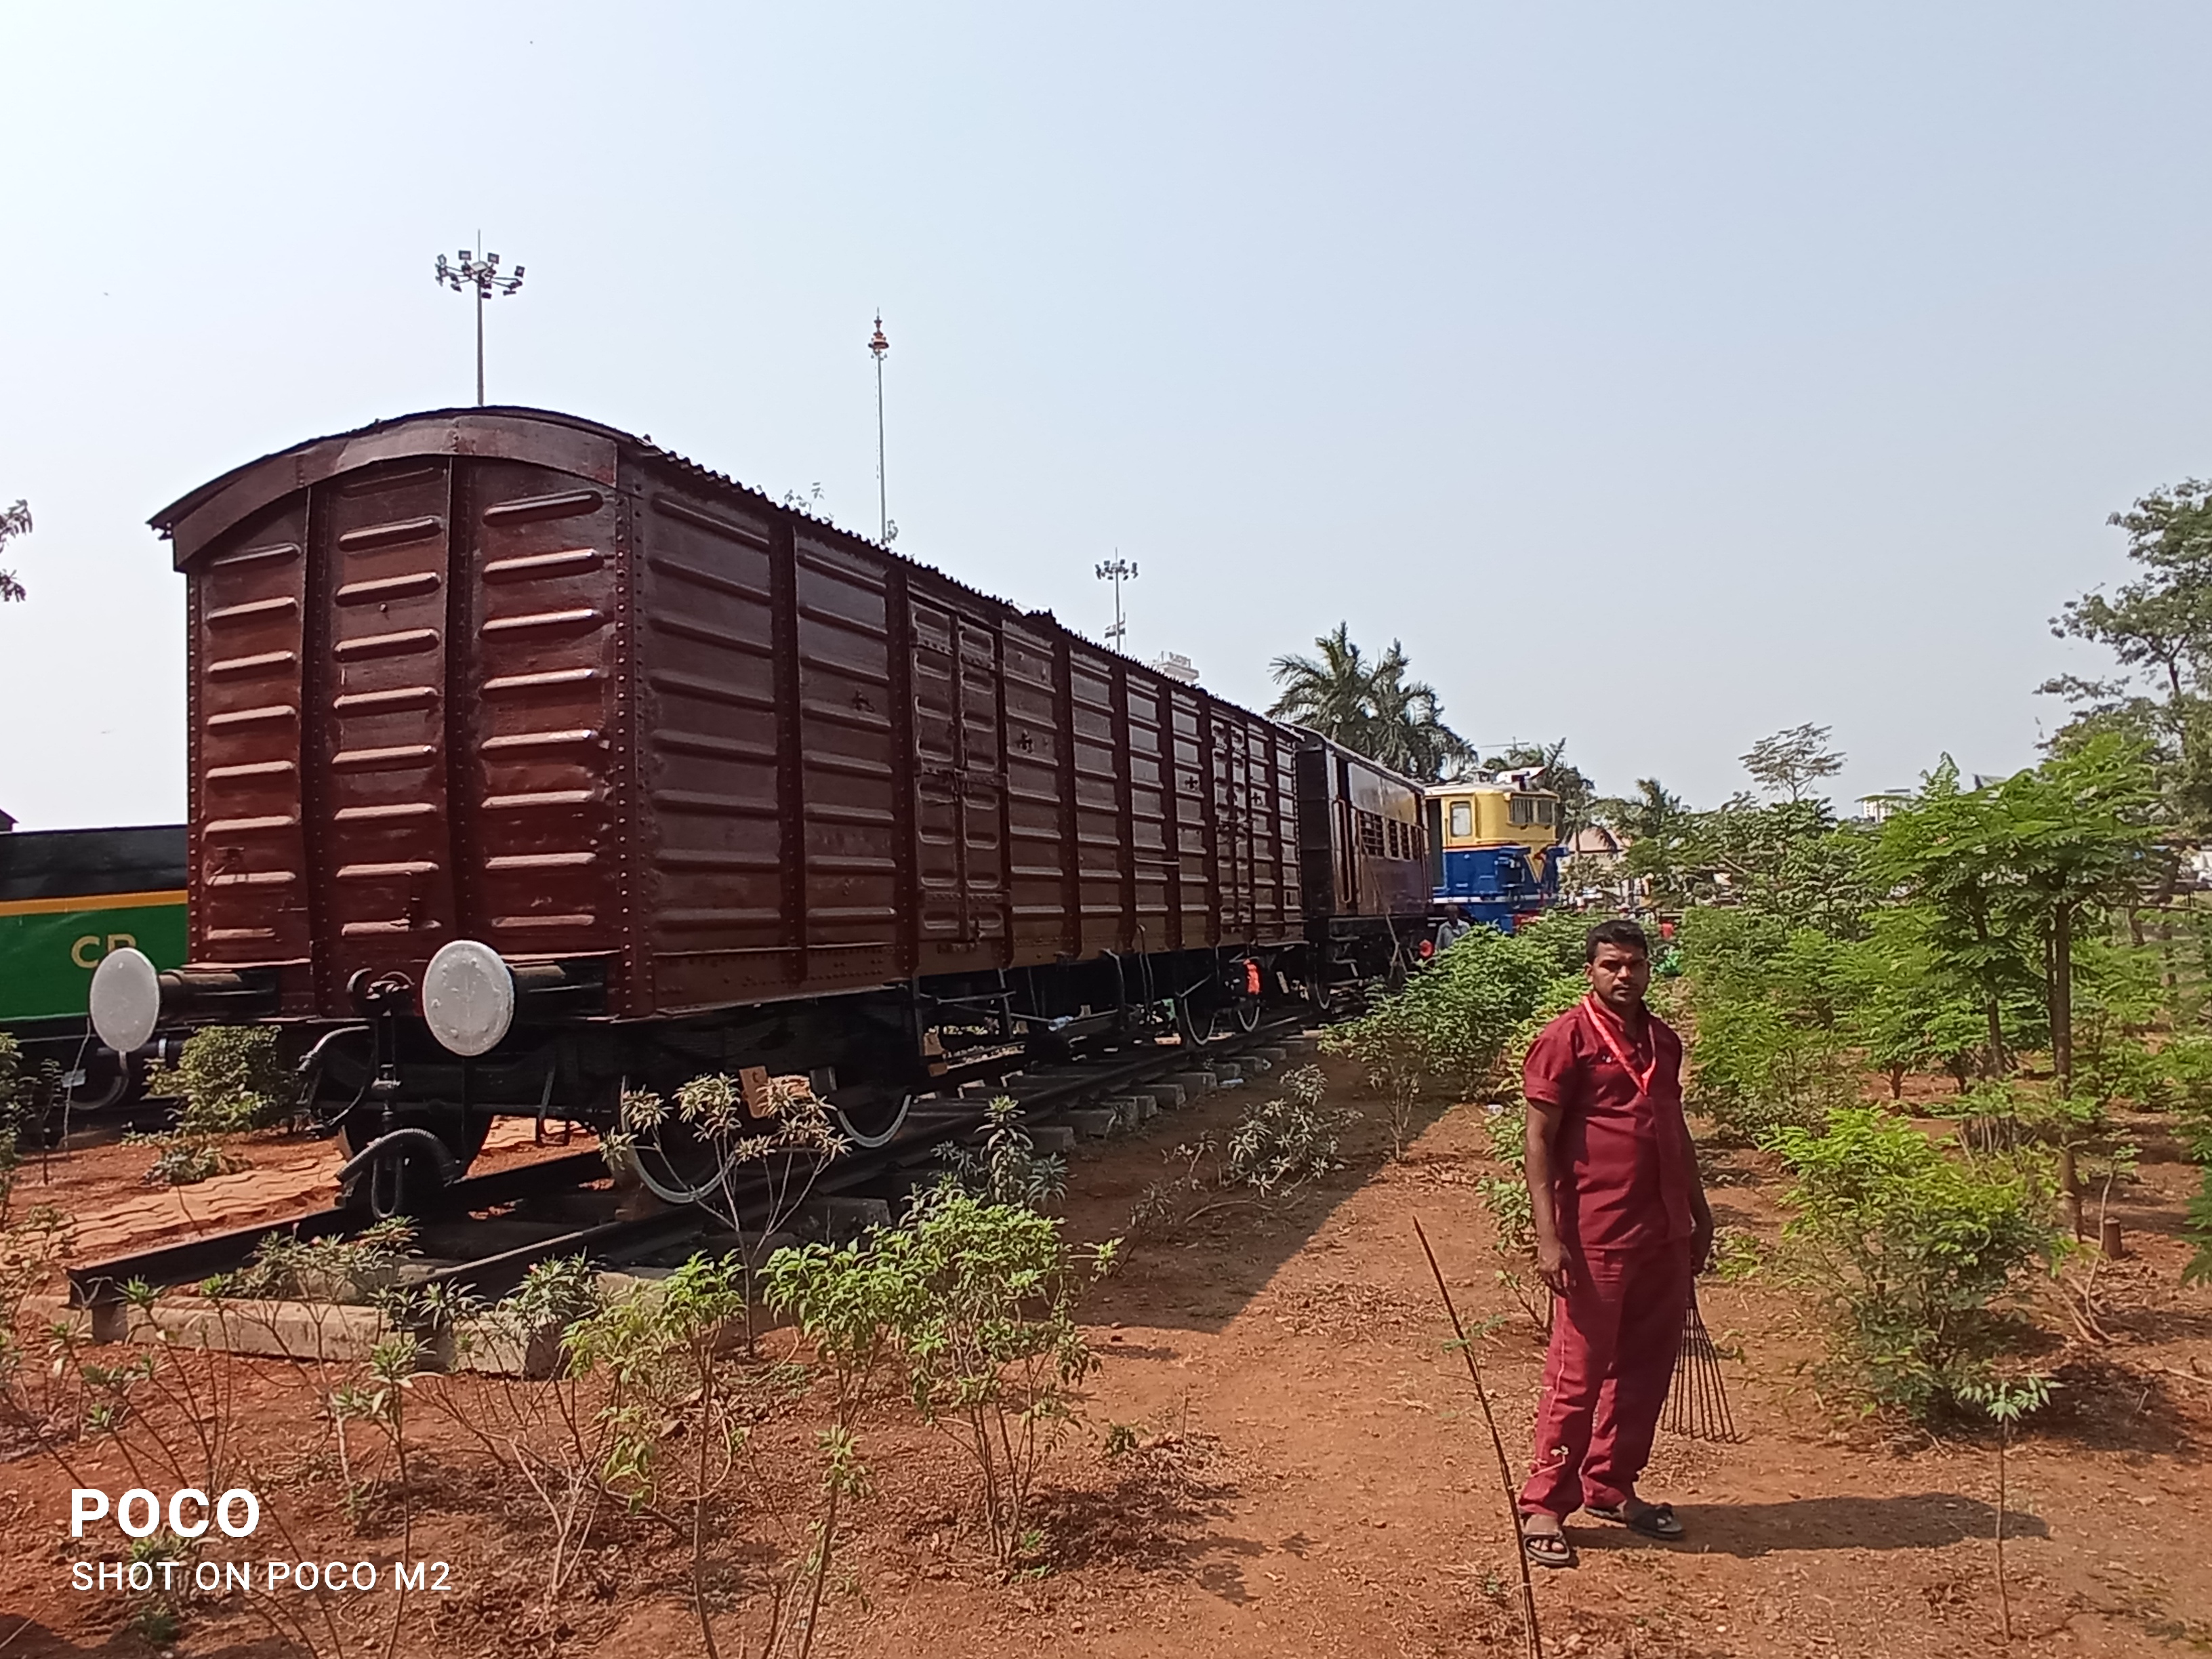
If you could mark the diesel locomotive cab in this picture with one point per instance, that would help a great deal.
(1494, 847)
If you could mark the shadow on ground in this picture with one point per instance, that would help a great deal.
(1928, 1520)
(1200, 1276)
(2104, 1404)
(29, 1639)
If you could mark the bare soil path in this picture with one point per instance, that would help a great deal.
(1310, 1473)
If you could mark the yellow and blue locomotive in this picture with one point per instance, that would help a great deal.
(1494, 849)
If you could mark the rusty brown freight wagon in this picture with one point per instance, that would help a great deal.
(716, 783)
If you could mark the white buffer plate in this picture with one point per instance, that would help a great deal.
(127, 999)
(468, 997)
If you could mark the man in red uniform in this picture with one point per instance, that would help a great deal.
(1622, 1227)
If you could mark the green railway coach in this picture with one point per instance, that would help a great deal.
(67, 898)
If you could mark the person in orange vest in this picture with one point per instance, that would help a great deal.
(1622, 1229)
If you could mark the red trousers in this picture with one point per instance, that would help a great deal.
(1614, 1336)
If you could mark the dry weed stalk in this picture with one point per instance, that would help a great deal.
(1497, 1444)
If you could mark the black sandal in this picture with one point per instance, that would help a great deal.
(1548, 1549)
(1653, 1520)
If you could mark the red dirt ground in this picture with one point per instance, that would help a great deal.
(1312, 1474)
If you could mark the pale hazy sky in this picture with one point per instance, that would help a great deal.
(1661, 375)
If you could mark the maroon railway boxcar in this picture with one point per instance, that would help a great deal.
(716, 783)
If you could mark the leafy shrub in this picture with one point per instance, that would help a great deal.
(980, 1299)
(2187, 1065)
(1286, 1144)
(231, 1080)
(661, 1346)
(1451, 1025)
(1768, 1008)
(1754, 1070)
(556, 1293)
(1274, 1149)
(358, 1269)
(1007, 1168)
(1559, 938)
(726, 1152)
(1506, 1197)
(1736, 1256)
(187, 1160)
(1908, 1247)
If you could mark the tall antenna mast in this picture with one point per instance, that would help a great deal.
(1118, 570)
(878, 346)
(481, 274)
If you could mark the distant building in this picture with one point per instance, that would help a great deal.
(1874, 808)
(1603, 847)
(1175, 667)
(6, 822)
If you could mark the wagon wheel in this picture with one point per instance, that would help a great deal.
(1201, 1028)
(109, 1084)
(868, 1115)
(1319, 997)
(1195, 1028)
(674, 1162)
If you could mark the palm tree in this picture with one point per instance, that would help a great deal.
(1373, 710)
(1652, 813)
(1409, 734)
(1577, 795)
(1328, 694)
(1659, 826)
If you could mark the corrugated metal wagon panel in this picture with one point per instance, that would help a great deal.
(963, 901)
(1101, 838)
(1193, 882)
(711, 888)
(376, 751)
(1041, 866)
(848, 767)
(248, 869)
(537, 689)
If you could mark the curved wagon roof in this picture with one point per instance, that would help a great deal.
(544, 437)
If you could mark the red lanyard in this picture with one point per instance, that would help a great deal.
(1603, 1026)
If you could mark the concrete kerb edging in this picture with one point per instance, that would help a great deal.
(346, 1333)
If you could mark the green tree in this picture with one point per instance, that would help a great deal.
(1653, 812)
(1327, 693)
(2078, 826)
(1371, 706)
(15, 520)
(2006, 877)
(1950, 853)
(1788, 859)
(1656, 823)
(1406, 732)
(2158, 626)
(1792, 759)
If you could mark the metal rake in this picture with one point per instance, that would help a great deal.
(1697, 1404)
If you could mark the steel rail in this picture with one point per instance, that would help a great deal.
(943, 1119)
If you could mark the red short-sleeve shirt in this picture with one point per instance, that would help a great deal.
(1620, 1174)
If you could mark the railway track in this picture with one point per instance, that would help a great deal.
(489, 1230)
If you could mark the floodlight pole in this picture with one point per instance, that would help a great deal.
(878, 347)
(1118, 570)
(483, 276)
